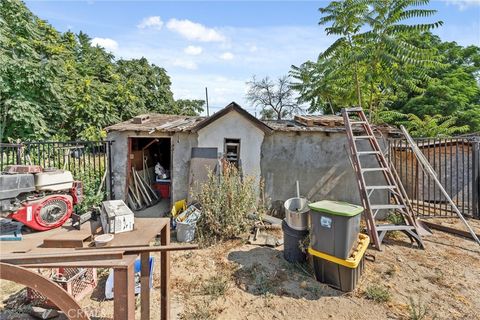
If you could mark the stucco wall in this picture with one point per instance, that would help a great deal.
(319, 161)
(235, 126)
(181, 146)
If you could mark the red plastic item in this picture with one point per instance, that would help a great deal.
(77, 192)
(163, 189)
(29, 213)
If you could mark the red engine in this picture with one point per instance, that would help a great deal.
(41, 200)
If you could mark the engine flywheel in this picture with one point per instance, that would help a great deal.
(53, 211)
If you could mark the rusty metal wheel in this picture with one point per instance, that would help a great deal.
(64, 301)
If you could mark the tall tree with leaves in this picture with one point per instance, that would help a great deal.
(324, 86)
(345, 19)
(29, 63)
(372, 39)
(387, 51)
(59, 86)
(433, 126)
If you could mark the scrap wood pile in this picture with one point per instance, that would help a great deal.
(140, 193)
(263, 231)
(323, 120)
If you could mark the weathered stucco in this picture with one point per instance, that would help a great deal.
(181, 146)
(319, 161)
(235, 126)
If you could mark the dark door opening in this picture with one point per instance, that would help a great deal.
(151, 159)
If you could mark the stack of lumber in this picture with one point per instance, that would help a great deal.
(324, 120)
(140, 193)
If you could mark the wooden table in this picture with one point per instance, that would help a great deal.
(145, 230)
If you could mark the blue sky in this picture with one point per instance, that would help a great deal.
(221, 44)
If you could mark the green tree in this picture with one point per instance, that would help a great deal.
(433, 126)
(345, 19)
(453, 89)
(149, 86)
(29, 60)
(323, 85)
(389, 54)
(372, 53)
(189, 107)
(55, 85)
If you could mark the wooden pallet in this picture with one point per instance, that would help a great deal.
(324, 120)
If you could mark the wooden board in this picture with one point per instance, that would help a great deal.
(67, 240)
(71, 256)
(322, 120)
(451, 230)
(144, 231)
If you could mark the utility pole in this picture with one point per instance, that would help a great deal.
(206, 99)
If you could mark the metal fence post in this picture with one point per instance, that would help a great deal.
(110, 177)
(19, 153)
(476, 179)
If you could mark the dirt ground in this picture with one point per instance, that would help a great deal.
(235, 280)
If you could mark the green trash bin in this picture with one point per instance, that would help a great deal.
(335, 226)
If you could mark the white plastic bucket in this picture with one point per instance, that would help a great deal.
(103, 239)
(185, 231)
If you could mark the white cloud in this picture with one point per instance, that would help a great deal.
(221, 89)
(186, 64)
(253, 48)
(227, 56)
(194, 31)
(106, 43)
(225, 81)
(463, 4)
(153, 22)
(193, 50)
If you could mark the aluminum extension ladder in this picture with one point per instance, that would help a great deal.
(393, 186)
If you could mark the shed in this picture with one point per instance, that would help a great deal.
(309, 149)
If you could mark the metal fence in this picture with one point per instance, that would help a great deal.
(457, 164)
(89, 161)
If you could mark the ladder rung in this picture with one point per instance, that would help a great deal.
(353, 109)
(386, 206)
(380, 187)
(361, 153)
(358, 122)
(373, 169)
(362, 137)
(393, 227)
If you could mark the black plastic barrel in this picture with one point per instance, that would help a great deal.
(293, 243)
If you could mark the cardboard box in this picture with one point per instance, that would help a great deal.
(116, 217)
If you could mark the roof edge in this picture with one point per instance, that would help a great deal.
(233, 106)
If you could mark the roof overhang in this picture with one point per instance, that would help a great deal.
(233, 106)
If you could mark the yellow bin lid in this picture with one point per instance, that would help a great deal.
(355, 256)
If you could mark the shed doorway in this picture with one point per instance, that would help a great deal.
(149, 176)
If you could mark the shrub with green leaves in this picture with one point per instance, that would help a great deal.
(377, 293)
(226, 202)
